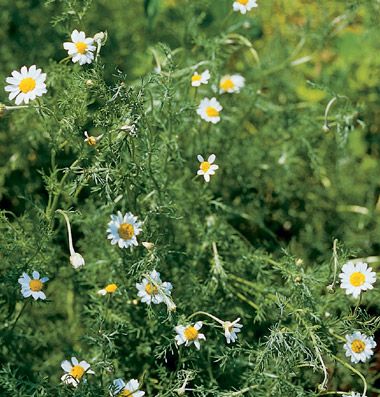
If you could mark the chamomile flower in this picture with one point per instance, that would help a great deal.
(26, 85)
(122, 230)
(92, 140)
(152, 289)
(356, 277)
(80, 49)
(207, 168)
(121, 389)
(75, 371)
(209, 110)
(244, 5)
(231, 83)
(189, 334)
(108, 289)
(359, 347)
(33, 286)
(198, 79)
(231, 329)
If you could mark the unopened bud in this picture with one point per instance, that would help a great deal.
(325, 128)
(89, 83)
(99, 36)
(147, 245)
(77, 260)
(299, 262)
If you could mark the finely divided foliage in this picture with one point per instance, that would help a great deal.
(269, 257)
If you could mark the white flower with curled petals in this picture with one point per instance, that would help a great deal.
(357, 277)
(153, 290)
(74, 371)
(207, 168)
(26, 85)
(359, 347)
(231, 329)
(231, 84)
(122, 230)
(33, 286)
(121, 389)
(189, 335)
(209, 110)
(198, 79)
(244, 5)
(80, 49)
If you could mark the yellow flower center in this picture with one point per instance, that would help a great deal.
(125, 393)
(26, 85)
(81, 47)
(357, 346)
(357, 279)
(77, 372)
(227, 84)
(151, 289)
(126, 231)
(111, 288)
(243, 2)
(35, 285)
(205, 166)
(196, 77)
(211, 112)
(190, 333)
(91, 140)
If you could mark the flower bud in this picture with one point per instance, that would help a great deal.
(147, 245)
(77, 260)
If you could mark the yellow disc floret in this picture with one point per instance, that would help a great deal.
(126, 231)
(357, 279)
(125, 393)
(205, 166)
(81, 47)
(190, 333)
(77, 372)
(26, 85)
(196, 77)
(35, 285)
(357, 346)
(227, 84)
(151, 289)
(91, 140)
(111, 288)
(211, 112)
(243, 2)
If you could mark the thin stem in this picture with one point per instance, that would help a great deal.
(71, 247)
(218, 320)
(19, 315)
(355, 371)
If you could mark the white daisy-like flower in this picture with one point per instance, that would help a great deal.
(75, 371)
(209, 110)
(26, 85)
(189, 335)
(108, 289)
(231, 83)
(92, 140)
(231, 329)
(131, 389)
(33, 286)
(198, 79)
(207, 168)
(81, 49)
(359, 347)
(124, 229)
(153, 290)
(244, 5)
(356, 277)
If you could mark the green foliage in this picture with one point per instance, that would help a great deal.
(256, 242)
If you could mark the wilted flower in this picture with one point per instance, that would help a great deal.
(189, 334)
(75, 371)
(356, 278)
(231, 84)
(33, 286)
(108, 289)
(207, 168)
(92, 140)
(26, 85)
(124, 229)
(152, 289)
(121, 389)
(81, 49)
(359, 347)
(231, 329)
(209, 110)
(244, 5)
(198, 79)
